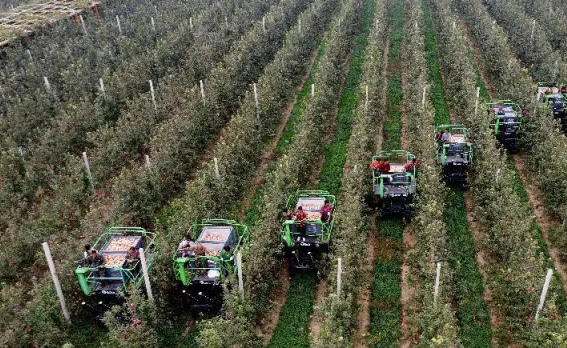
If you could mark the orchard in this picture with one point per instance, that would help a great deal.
(283, 173)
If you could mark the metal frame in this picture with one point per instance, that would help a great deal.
(185, 274)
(326, 228)
(88, 281)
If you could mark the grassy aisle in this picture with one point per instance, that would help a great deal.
(386, 309)
(471, 310)
(292, 329)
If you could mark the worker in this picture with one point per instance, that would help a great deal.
(300, 217)
(287, 215)
(97, 260)
(87, 252)
(187, 246)
(446, 136)
(132, 257)
(326, 212)
(409, 166)
(386, 167)
(226, 259)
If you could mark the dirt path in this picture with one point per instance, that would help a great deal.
(268, 155)
(365, 297)
(265, 330)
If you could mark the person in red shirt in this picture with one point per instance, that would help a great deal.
(409, 166)
(377, 164)
(300, 217)
(386, 167)
(326, 212)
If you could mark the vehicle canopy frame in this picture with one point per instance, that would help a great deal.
(311, 201)
(214, 234)
(113, 245)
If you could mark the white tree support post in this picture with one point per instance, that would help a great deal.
(437, 278)
(153, 23)
(146, 277)
(153, 94)
(46, 82)
(21, 152)
(83, 25)
(493, 24)
(256, 101)
(264, 23)
(256, 97)
(312, 90)
(202, 91)
(476, 102)
(119, 26)
(217, 172)
(423, 97)
(56, 281)
(533, 32)
(88, 168)
(299, 26)
(155, 9)
(544, 292)
(339, 274)
(339, 25)
(416, 25)
(101, 85)
(366, 101)
(226, 22)
(29, 54)
(191, 22)
(240, 280)
(148, 163)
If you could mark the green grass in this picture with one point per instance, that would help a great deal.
(386, 308)
(293, 324)
(437, 93)
(471, 310)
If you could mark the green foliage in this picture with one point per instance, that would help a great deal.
(437, 330)
(133, 324)
(292, 329)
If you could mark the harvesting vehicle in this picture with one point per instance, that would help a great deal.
(454, 155)
(307, 242)
(507, 121)
(552, 98)
(393, 190)
(201, 271)
(106, 285)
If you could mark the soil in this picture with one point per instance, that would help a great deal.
(268, 155)
(365, 297)
(316, 320)
(269, 322)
